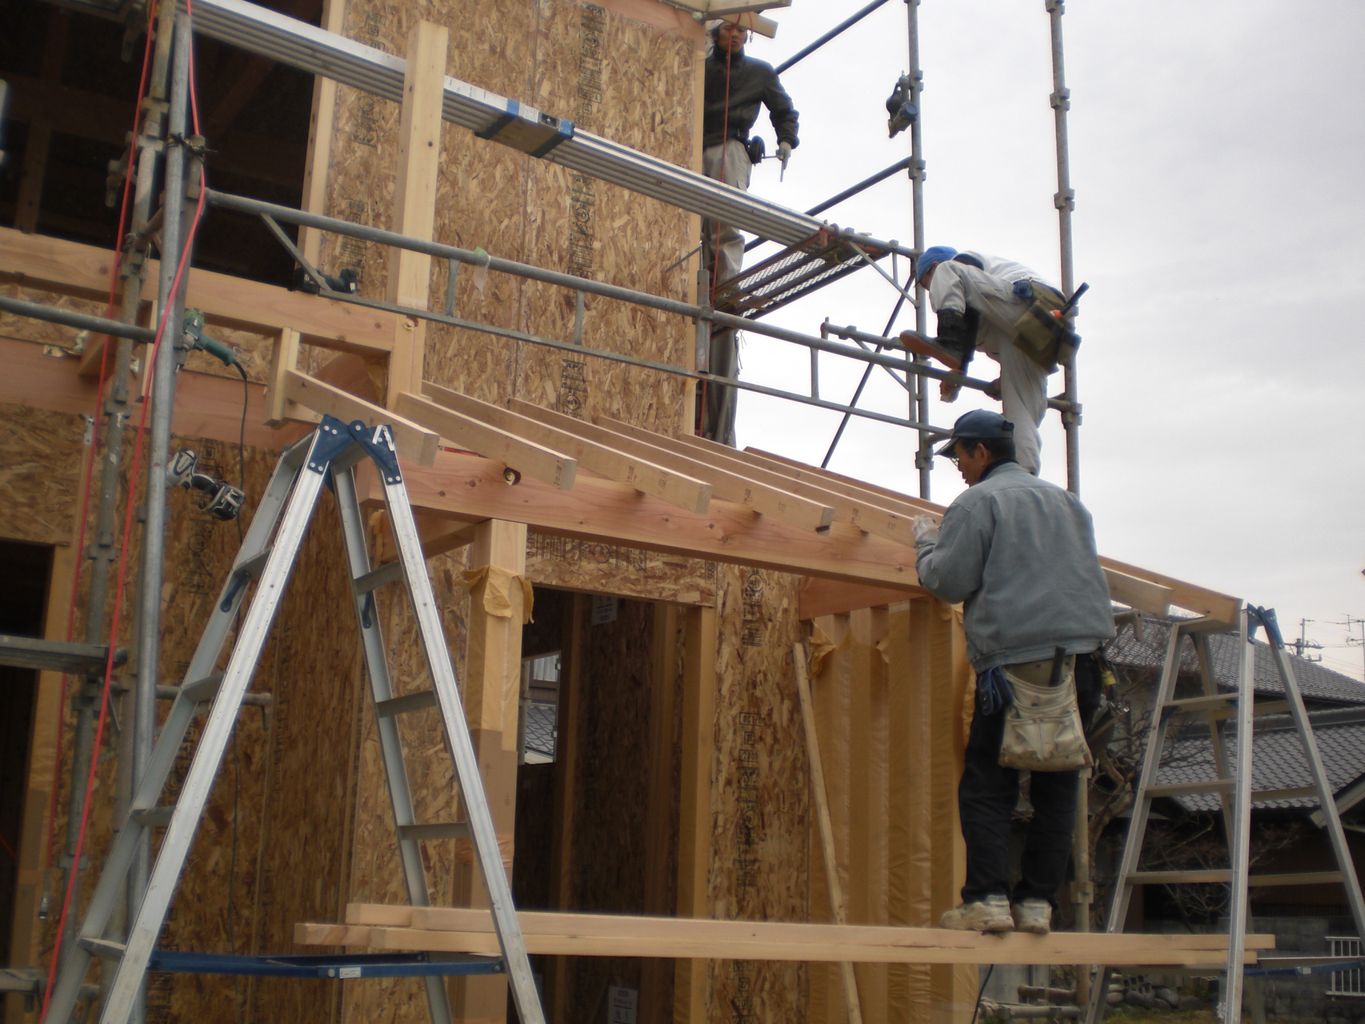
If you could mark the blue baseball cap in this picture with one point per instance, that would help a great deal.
(932, 257)
(977, 425)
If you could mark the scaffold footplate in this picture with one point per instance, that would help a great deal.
(790, 274)
(342, 966)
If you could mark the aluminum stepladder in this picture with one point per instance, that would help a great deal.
(267, 555)
(1233, 784)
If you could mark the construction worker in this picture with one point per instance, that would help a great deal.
(1019, 553)
(981, 302)
(736, 85)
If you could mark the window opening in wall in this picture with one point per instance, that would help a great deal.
(539, 709)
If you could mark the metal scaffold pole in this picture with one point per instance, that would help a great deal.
(1065, 201)
(923, 456)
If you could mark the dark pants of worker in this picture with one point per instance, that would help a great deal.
(986, 798)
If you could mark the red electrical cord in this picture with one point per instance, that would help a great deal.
(89, 474)
(116, 615)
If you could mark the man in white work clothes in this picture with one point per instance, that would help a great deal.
(981, 302)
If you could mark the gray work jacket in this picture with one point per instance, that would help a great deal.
(1019, 553)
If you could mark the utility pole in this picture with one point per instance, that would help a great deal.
(1303, 644)
(1351, 640)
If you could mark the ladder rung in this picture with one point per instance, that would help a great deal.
(202, 689)
(435, 830)
(1291, 793)
(389, 572)
(153, 817)
(107, 948)
(420, 701)
(1187, 788)
(1208, 702)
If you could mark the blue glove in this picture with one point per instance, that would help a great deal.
(993, 691)
(1023, 290)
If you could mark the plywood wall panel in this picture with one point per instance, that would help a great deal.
(604, 568)
(761, 794)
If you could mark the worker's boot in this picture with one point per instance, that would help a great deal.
(1033, 916)
(989, 915)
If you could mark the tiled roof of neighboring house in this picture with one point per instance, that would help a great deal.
(1318, 685)
(1278, 759)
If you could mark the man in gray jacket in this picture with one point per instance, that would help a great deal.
(1020, 554)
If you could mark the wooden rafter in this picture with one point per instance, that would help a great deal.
(414, 441)
(770, 501)
(645, 476)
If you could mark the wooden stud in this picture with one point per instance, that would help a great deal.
(825, 828)
(567, 757)
(414, 202)
(471, 433)
(645, 476)
(691, 990)
(660, 802)
(284, 360)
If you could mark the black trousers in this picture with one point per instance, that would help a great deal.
(986, 798)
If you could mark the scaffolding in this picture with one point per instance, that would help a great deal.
(814, 252)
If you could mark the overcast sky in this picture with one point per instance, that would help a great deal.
(1218, 156)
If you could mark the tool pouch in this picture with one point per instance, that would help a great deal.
(1044, 337)
(1043, 727)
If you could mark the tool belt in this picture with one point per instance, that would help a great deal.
(1042, 730)
(1044, 337)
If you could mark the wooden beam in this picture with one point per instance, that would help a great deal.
(459, 929)
(732, 487)
(741, 12)
(469, 487)
(655, 983)
(645, 476)
(284, 359)
(568, 748)
(473, 434)
(414, 201)
(881, 522)
(70, 268)
(414, 441)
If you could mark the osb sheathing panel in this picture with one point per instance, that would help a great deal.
(40, 471)
(760, 797)
(603, 568)
(889, 690)
(610, 793)
(613, 75)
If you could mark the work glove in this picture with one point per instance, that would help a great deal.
(925, 530)
(784, 152)
(948, 390)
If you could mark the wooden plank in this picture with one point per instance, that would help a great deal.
(867, 516)
(70, 268)
(469, 432)
(830, 597)
(568, 748)
(471, 930)
(56, 655)
(414, 441)
(660, 802)
(731, 486)
(470, 487)
(645, 476)
(825, 828)
(1135, 592)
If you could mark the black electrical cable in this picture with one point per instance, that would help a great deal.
(982, 991)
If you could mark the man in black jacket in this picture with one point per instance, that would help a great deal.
(736, 85)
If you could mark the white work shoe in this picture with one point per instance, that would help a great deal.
(1033, 916)
(989, 915)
